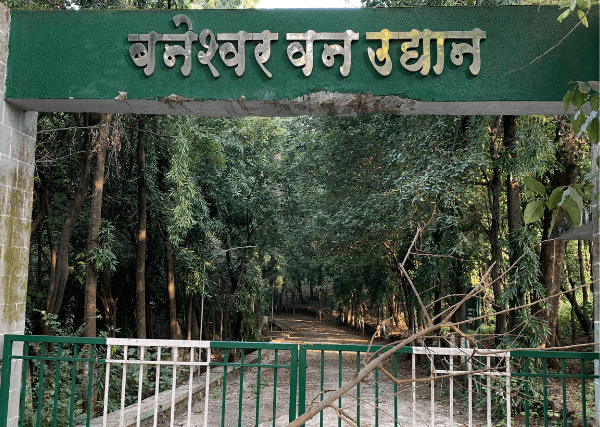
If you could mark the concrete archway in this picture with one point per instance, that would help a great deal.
(502, 60)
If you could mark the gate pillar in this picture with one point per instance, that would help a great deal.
(17, 164)
(596, 273)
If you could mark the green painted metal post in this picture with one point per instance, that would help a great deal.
(322, 384)
(73, 383)
(564, 392)
(376, 396)
(302, 380)
(5, 380)
(256, 421)
(275, 387)
(240, 406)
(56, 382)
(41, 386)
(583, 395)
(24, 384)
(90, 382)
(225, 358)
(526, 371)
(545, 390)
(358, 402)
(293, 382)
(395, 390)
(340, 383)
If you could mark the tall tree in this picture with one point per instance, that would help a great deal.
(58, 283)
(140, 269)
(91, 278)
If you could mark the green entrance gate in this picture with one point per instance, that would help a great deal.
(215, 383)
(471, 60)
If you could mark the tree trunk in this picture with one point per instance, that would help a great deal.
(109, 303)
(582, 280)
(513, 205)
(190, 316)
(56, 288)
(91, 274)
(42, 190)
(552, 251)
(586, 323)
(494, 232)
(173, 327)
(513, 195)
(140, 265)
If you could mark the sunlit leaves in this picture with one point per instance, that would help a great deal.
(534, 185)
(578, 97)
(570, 198)
(533, 211)
(555, 198)
(581, 6)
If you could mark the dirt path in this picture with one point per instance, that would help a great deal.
(303, 329)
(266, 394)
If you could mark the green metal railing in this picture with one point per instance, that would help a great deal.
(349, 358)
(55, 381)
(536, 381)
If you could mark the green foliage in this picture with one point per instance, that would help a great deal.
(103, 256)
(570, 198)
(581, 7)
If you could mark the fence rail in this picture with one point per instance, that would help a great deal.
(108, 382)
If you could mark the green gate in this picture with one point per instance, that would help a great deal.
(112, 382)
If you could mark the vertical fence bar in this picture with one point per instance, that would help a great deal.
(258, 388)
(207, 378)
(40, 384)
(293, 382)
(526, 371)
(240, 406)
(376, 396)
(432, 386)
(508, 404)
(322, 384)
(191, 386)
(340, 384)
(451, 390)
(5, 385)
(564, 387)
(123, 382)
(414, 392)
(225, 360)
(56, 382)
(106, 384)
(395, 390)
(302, 380)
(157, 385)
(90, 383)
(545, 388)
(73, 383)
(174, 357)
(357, 390)
(140, 383)
(583, 395)
(275, 387)
(489, 392)
(24, 388)
(470, 382)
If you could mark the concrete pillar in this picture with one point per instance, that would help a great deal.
(17, 164)
(596, 277)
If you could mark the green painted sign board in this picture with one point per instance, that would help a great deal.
(81, 61)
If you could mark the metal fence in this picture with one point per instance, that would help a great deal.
(69, 381)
